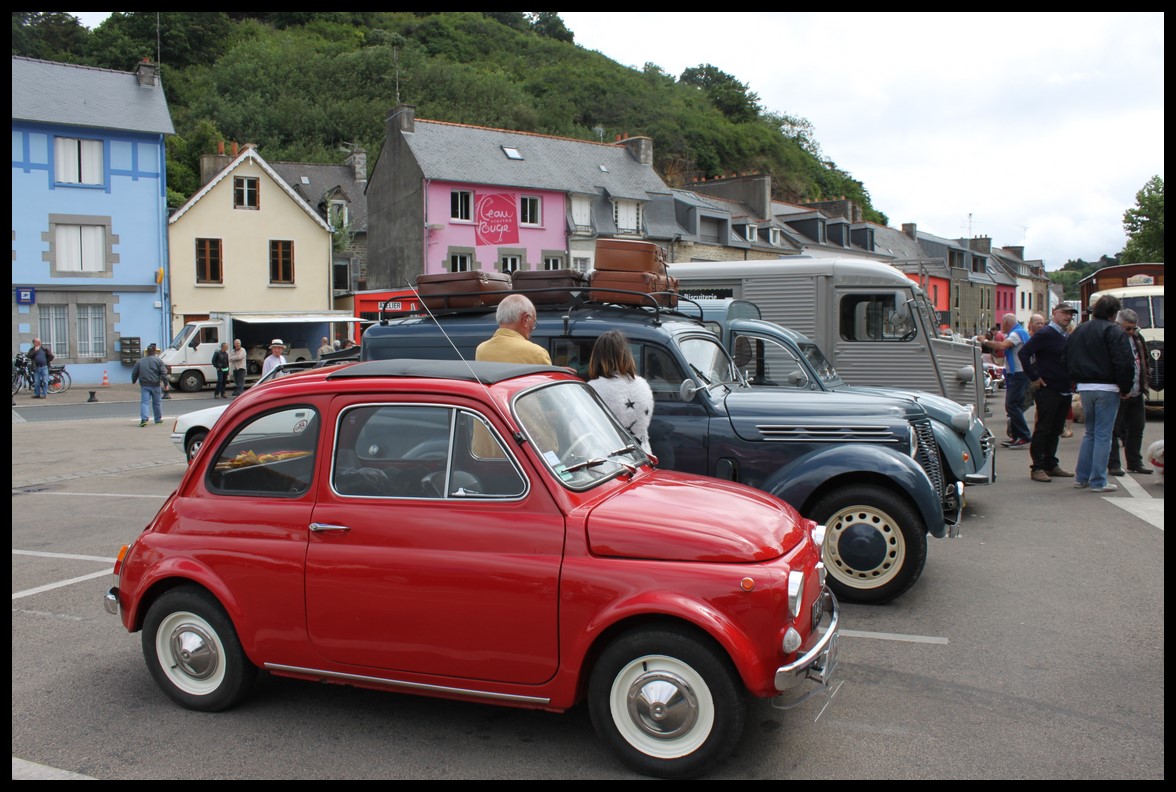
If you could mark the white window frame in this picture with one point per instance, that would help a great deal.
(530, 210)
(510, 263)
(582, 211)
(249, 190)
(554, 263)
(53, 320)
(751, 233)
(461, 206)
(78, 161)
(580, 264)
(774, 236)
(79, 248)
(627, 216)
(460, 262)
(91, 331)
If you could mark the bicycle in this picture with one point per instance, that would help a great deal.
(59, 379)
(22, 375)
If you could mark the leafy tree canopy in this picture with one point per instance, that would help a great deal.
(1144, 224)
(304, 85)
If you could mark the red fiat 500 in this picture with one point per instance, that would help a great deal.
(479, 531)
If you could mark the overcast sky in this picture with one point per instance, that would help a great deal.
(1032, 129)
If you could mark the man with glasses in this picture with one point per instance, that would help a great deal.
(511, 342)
(1130, 420)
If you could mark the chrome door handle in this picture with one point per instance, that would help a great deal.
(321, 527)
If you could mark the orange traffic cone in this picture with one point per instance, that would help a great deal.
(105, 379)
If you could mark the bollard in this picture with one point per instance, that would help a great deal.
(93, 397)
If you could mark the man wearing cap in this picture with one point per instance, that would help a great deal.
(1043, 359)
(277, 347)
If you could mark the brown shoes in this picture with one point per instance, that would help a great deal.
(1060, 473)
(1040, 475)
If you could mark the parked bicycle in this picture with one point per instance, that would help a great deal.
(59, 379)
(22, 373)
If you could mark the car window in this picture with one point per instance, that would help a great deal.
(421, 451)
(271, 454)
(764, 361)
(708, 360)
(661, 372)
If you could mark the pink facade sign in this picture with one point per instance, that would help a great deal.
(496, 218)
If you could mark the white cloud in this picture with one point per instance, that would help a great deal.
(1034, 129)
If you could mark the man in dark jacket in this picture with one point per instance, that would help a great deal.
(150, 372)
(1132, 413)
(1044, 361)
(41, 357)
(1098, 357)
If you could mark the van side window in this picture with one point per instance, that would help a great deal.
(875, 317)
(662, 373)
(763, 361)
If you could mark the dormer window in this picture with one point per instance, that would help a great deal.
(774, 236)
(752, 233)
(511, 153)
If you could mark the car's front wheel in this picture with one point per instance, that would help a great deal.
(193, 652)
(875, 543)
(191, 381)
(668, 702)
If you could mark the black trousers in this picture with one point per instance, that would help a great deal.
(1128, 432)
(1052, 409)
(221, 377)
(238, 381)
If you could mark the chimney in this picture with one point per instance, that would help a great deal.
(981, 244)
(910, 230)
(402, 119)
(213, 164)
(1019, 252)
(220, 147)
(357, 159)
(235, 150)
(641, 148)
(147, 73)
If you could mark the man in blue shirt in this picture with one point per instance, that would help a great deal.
(1043, 361)
(1016, 383)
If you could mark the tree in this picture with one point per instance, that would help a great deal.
(730, 96)
(1144, 225)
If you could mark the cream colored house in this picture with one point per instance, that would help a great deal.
(247, 242)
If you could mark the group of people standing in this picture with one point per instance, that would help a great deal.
(1104, 362)
(612, 370)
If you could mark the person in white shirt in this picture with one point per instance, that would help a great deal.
(277, 347)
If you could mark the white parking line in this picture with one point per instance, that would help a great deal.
(60, 584)
(929, 639)
(21, 491)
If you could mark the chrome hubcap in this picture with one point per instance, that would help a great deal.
(193, 651)
(662, 705)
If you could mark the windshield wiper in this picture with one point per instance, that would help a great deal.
(587, 463)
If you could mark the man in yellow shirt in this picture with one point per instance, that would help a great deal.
(511, 342)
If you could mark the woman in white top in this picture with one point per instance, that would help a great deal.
(612, 373)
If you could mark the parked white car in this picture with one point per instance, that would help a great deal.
(190, 429)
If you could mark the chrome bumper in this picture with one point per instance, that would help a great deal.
(953, 511)
(110, 601)
(817, 664)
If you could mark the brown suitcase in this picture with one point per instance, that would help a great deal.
(566, 280)
(473, 289)
(629, 255)
(643, 282)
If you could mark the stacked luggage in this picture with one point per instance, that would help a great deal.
(473, 289)
(559, 285)
(635, 269)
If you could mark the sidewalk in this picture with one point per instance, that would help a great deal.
(80, 394)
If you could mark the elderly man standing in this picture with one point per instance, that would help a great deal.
(1016, 383)
(1132, 414)
(1098, 357)
(1043, 360)
(511, 342)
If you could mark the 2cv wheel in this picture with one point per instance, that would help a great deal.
(875, 543)
(667, 702)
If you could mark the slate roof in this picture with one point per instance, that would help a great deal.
(84, 96)
(322, 179)
(459, 153)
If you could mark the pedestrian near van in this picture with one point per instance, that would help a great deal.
(40, 356)
(326, 347)
(275, 359)
(1132, 415)
(220, 363)
(150, 372)
(612, 373)
(1016, 383)
(511, 342)
(1043, 359)
(238, 361)
(1098, 358)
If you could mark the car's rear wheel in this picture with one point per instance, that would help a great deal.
(194, 443)
(193, 652)
(875, 543)
(667, 702)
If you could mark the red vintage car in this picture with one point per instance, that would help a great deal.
(477, 531)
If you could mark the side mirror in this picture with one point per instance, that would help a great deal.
(966, 375)
(687, 390)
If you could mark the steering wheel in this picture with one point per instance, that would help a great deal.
(574, 449)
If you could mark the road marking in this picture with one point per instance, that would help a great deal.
(60, 584)
(930, 639)
(73, 556)
(22, 491)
